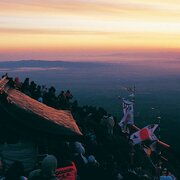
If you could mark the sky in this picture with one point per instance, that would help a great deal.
(95, 30)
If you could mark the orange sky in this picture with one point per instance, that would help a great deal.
(88, 29)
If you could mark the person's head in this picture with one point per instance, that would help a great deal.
(79, 148)
(52, 89)
(49, 165)
(26, 80)
(92, 160)
(165, 172)
(39, 87)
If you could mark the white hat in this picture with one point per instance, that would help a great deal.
(91, 159)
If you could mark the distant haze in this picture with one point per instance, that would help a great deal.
(99, 84)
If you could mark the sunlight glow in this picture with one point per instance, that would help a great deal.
(83, 26)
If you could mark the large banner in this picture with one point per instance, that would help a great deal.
(128, 118)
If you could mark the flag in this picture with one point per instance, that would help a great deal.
(130, 89)
(153, 146)
(128, 117)
(132, 95)
(148, 151)
(127, 105)
(144, 134)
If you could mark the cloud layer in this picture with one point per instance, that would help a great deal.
(87, 26)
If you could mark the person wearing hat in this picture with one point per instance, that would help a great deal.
(165, 175)
(47, 171)
(93, 170)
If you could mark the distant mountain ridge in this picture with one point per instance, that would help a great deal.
(44, 63)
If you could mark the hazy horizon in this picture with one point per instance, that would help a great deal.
(115, 57)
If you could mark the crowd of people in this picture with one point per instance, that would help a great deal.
(105, 153)
(43, 94)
